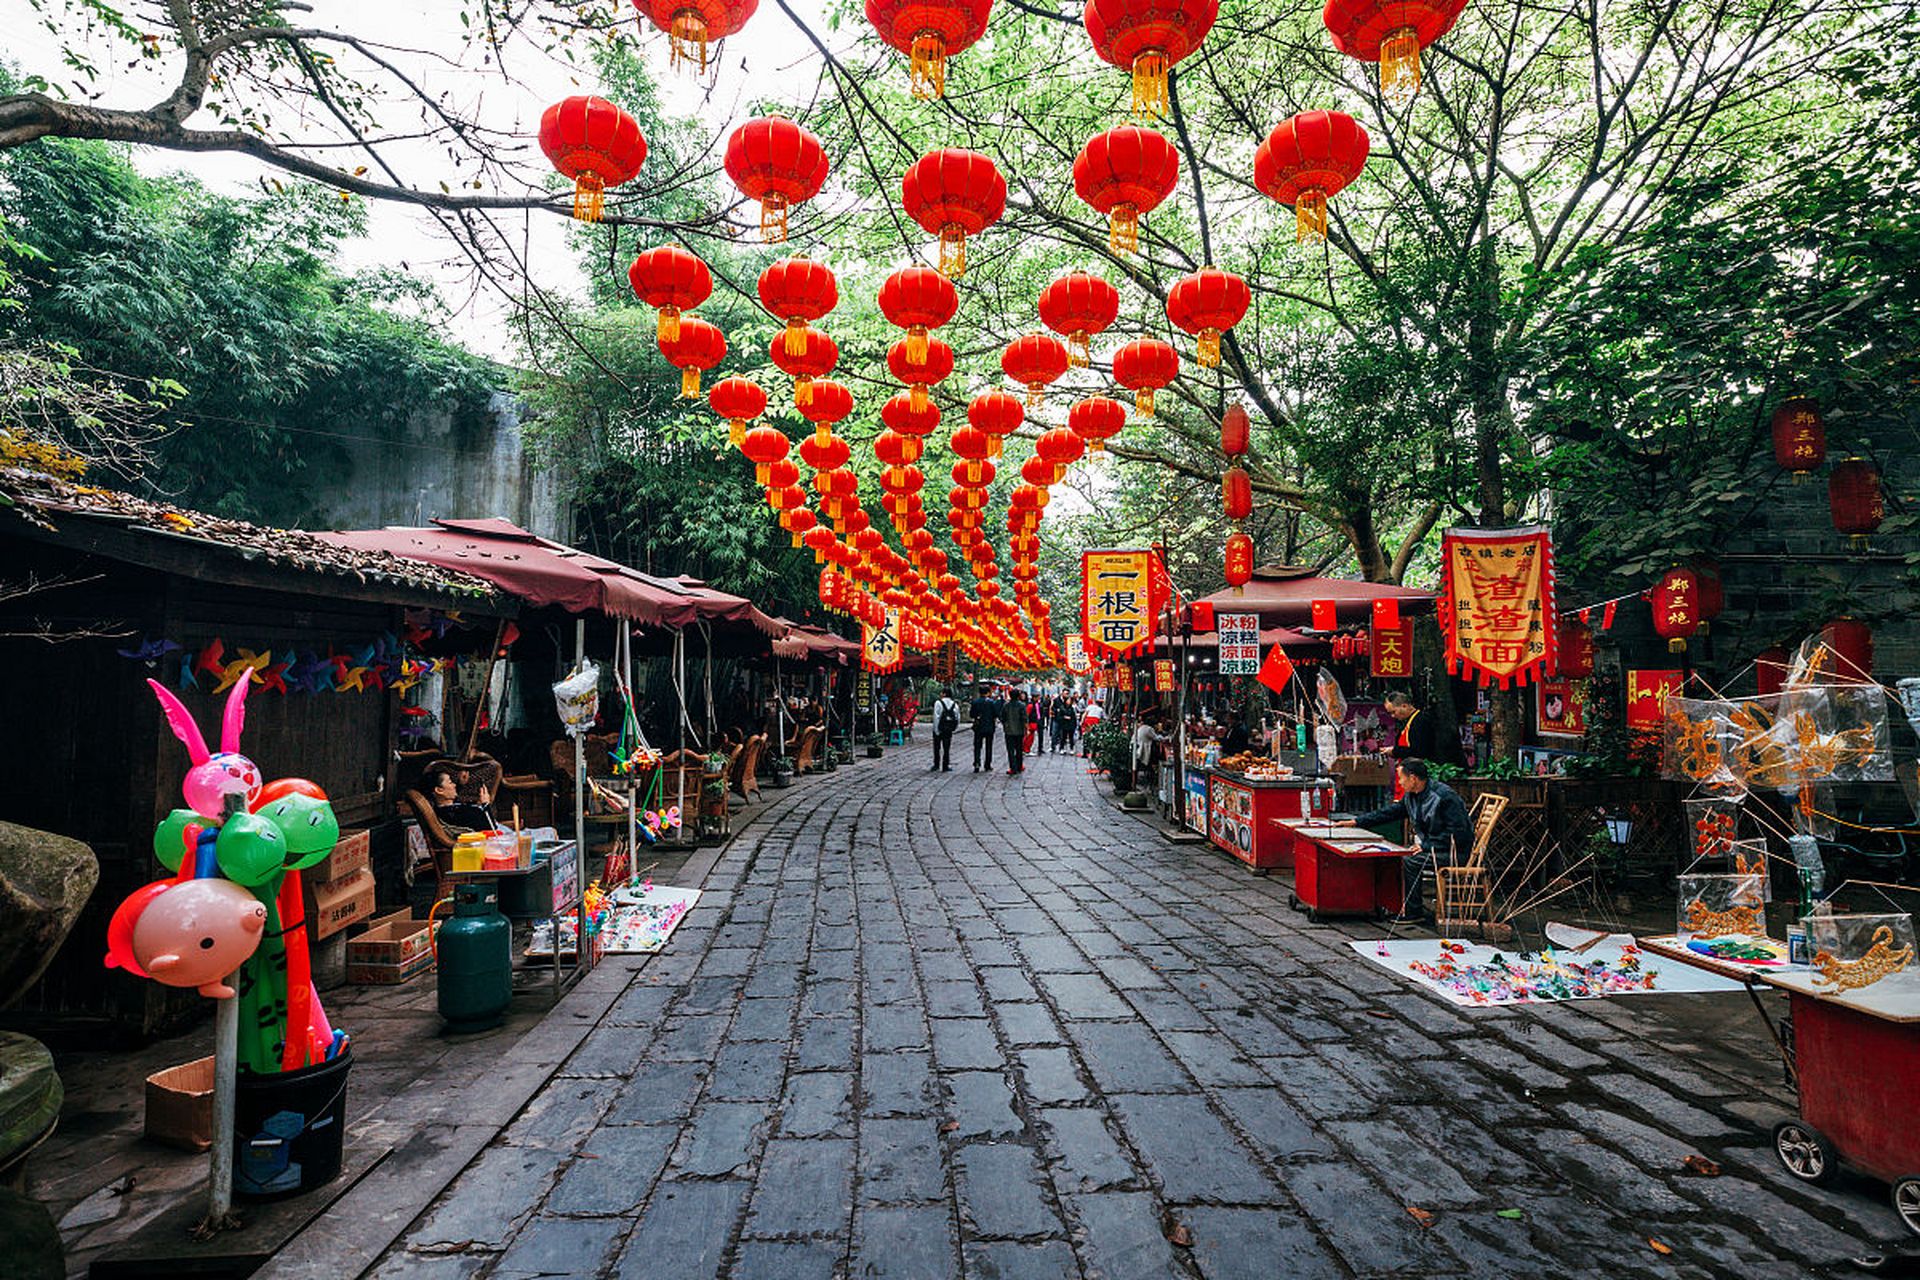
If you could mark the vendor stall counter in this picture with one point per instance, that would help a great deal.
(1241, 813)
(1342, 871)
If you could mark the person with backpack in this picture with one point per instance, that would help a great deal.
(946, 722)
(1013, 717)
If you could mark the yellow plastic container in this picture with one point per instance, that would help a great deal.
(469, 852)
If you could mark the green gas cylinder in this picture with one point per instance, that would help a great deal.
(476, 960)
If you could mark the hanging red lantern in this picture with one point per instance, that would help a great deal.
(1125, 173)
(1713, 591)
(798, 290)
(818, 539)
(691, 25)
(963, 473)
(825, 455)
(838, 490)
(1392, 33)
(1306, 159)
(899, 414)
(1849, 643)
(919, 375)
(1239, 560)
(1676, 608)
(1078, 306)
(775, 161)
(739, 402)
(816, 360)
(1799, 437)
(764, 446)
(929, 32)
(1854, 495)
(698, 347)
(799, 522)
(1207, 304)
(784, 498)
(671, 280)
(1034, 361)
(972, 444)
(1037, 471)
(897, 452)
(1097, 420)
(1573, 651)
(830, 403)
(1236, 431)
(1143, 367)
(917, 299)
(953, 193)
(1147, 37)
(1060, 447)
(596, 144)
(782, 474)
(1236, 493)
(996, 415)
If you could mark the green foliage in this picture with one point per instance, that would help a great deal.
(1107, 746)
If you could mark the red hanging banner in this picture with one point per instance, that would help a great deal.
(1392, 646)
(1163, 675)
(1121, 596)
(1496, 603)
(1326, 616)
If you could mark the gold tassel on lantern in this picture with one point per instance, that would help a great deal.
(1079, 350)
(1208, 349)
(802, 392)
(953, 251)
(687, 29)
(760, 470)
(973, 471)
(1400, 67)
(666, 325)
(1143, 402)
(1123, 228)
(917, 344)
(736, 432)
(822, 433)
(993, 446)
(690, 383)
(796, 336)
(927, 57)
(1150, 83)
(917, 397)
(773, 218)
(1677, 645)
(1310, 217)
(589, 197)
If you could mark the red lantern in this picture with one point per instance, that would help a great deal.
(798, 290)
(898, 452)
(764, 446)
(972, 444)
(818, 540)
(953, 193)
(830, 402)
(784, 498)
(1097, 420)
(1853, 493)
(838, 490)
(1573, 656)
(739, 402)
(775, 161)
(1770, 670)
(691, 25)
(1236, 493)
(1147, 37)
(1713, 592)
(934, 366)
(699, 347)
(996, 415)
(1060, 447)
(1306, 159)
(817, 359)
(1125, 173)
(929, 32)
(1849, 643)
(1076, 307)
(1034, 361)
(1207, 304)
(1676, 608)
(1326, 615)
(825, 455)
(1799, 437)
(963, 473)
(1239, 560)
(899, 414)
(1143, 367)
(596, 144)
(671, 280)
(1236, 431)
(1037, 471)
(782, 474)
(1392, 33)
(918, 299)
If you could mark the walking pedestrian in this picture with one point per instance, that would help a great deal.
(1061, 712)
(985, 714)
(1036, 727)
(946, 722)
(1439, 818)
(1013, 717)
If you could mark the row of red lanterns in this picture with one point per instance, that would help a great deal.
(1855, 498)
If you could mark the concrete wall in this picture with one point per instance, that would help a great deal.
(439, 466)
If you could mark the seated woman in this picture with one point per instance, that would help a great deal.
(455, 814)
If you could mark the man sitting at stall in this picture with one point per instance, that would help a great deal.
(455, 814)
(1440, 823)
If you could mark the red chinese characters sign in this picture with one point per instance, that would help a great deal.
(1647, 693)
(1392, 650)
(1496, 603)
(1121, 595)
(1163, 675)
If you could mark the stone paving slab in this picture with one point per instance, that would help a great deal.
(965, 1025)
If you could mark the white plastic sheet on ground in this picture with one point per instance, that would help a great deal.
(1478, 975)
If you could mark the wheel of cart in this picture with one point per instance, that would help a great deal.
(1293, 900)
(1906, 1201)
(1805, 1152)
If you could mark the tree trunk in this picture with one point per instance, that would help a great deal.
(1492, 427)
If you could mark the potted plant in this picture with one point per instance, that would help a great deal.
(1107, 746)
(876, 746)
(782, 767)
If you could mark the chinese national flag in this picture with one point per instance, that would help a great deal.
(1386, 614)
(1325, 616)
(1277, 671)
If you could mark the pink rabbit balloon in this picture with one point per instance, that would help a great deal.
(214, 775)
(198, 932)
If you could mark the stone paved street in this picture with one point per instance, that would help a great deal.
(928, 1026)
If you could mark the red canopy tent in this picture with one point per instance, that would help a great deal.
(1283, 595)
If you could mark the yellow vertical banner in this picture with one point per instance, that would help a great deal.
(1117, 602)
(880, 646)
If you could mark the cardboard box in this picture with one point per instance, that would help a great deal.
(394, 949)
(351, 854)
(180, 1105)
(339, 903)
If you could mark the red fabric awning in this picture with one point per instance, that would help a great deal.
(1284, 595)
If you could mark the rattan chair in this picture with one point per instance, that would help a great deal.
(1463, 895)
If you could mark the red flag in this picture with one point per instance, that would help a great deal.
(1325, 616)
(1277, 671)
(1386, 614)
(1606, 616)
(1202, 615)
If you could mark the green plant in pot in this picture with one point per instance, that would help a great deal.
(876, 745)
(782, 767)
(1107, 746)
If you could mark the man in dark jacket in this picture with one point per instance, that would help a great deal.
(1439, 818)
(1013, 717)
(985, 714)
(1420, 736)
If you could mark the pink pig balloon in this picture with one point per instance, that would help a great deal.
(225, 773)
(198, 932)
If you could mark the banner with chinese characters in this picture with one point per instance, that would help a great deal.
(1496, 603)
(1121, 594)
(1392, 650)
(1123, 678)
(1557, 705)
(880, 646)
(1163, 675)
(1077, 655)
(1647, 693)
(1239, 643)
(1102, 678)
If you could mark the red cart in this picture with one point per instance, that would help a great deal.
(1343, 871)
(1242, 811)
(1855, 1059)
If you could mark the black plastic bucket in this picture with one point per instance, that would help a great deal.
(289, 1129)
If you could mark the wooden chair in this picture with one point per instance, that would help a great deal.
(809, 743)
(746, 770)
(1463, 895)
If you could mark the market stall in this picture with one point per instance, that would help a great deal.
(1237, 803)
(1343, 871)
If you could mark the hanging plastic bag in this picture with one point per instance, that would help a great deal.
(577, 697)
(1333, 701)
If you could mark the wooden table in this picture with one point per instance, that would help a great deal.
(1856, 1065)
(1343, 871)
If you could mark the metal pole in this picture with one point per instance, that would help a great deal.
(680, 699)
(624, 656)
(226, 1068)
(579, 828)
(779, 711)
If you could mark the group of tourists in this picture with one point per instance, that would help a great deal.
(1029, 720)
